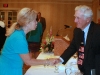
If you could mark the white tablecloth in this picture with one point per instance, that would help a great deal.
(49, 70)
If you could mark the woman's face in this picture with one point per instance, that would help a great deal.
(32, 25)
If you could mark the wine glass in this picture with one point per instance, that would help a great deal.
(68, 71)
(45, 65)
(56, 68)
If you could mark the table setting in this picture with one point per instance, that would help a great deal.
(70, 68)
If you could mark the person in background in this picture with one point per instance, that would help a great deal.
(15, 50)
(2, 34)
(42, 20)
(34, 40)
(88, 57)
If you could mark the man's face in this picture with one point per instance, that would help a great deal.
(39, 15)
(80, 21)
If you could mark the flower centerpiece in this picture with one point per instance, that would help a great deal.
(48, 43)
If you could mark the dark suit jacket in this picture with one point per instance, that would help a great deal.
(43, 21)
(92, 49)
(2, 36)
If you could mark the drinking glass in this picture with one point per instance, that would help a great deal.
(68, 71)
(45, 65)
(56, 68)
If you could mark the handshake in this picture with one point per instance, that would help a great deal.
(52, 61)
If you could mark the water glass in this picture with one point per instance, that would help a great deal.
(56, 68)
(68, 71)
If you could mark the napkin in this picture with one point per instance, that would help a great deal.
(61, 67)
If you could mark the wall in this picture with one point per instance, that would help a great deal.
(57, 12)
(96, 10)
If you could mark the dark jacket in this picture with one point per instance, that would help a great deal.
(43, 21)
(2, 36)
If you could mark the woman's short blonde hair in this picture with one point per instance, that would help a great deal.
(25, 16)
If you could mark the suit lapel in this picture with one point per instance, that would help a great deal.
(88, 40)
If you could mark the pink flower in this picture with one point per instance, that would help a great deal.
(48, 44)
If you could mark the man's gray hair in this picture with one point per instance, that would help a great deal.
(87, 11)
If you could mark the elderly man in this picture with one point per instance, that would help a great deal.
(89, 50)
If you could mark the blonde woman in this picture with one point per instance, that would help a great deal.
(15, 51)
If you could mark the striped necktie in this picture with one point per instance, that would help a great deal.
(81, 52)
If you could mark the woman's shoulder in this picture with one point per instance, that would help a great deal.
(18, 33)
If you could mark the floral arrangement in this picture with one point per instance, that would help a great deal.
(48, 43)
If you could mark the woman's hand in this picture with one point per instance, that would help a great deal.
(10, 30)
(53, 61)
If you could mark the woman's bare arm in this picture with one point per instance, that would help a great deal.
(31, 61)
